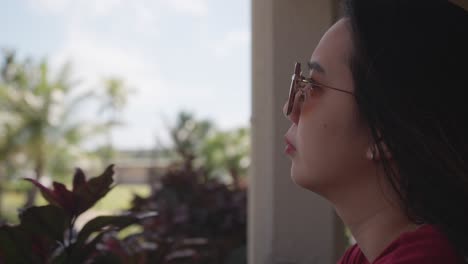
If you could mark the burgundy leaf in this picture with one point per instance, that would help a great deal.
(79, 179)
(94, 189)
(47, 193)
(40, 247)
(84, 195)
(65, 198)
(115, 246)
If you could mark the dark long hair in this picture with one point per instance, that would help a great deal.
(410, 70)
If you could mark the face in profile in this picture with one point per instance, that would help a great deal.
(329, 138)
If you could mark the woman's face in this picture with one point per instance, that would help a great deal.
(327, 132)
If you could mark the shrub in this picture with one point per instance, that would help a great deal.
(47, 234)
(197, 222)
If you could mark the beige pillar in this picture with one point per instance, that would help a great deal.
(286, 223)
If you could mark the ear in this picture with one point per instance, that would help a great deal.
(374, 154)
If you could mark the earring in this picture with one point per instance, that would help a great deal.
(370, 154)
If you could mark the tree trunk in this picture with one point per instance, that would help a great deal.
(2, 170)
(235, 178)
(31, 194)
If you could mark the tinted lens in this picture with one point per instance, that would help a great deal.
(292, 94)
(293, 88)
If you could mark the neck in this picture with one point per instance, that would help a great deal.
(378, 229)
(369, 209)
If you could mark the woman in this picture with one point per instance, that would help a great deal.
(378, 128)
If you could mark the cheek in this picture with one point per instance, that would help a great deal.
(330, 147)
(310, 167)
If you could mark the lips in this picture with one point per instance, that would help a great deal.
(290, 148)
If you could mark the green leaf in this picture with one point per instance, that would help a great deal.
(62, 258)
(81, 253)
(49, 221)
(118, 222)
(16, 245)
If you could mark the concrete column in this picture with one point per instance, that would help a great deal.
(286, 223)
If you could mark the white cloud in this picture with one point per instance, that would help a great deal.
(96, 52)
(193, 7)
(141, 15)
(97, 57)
(146, 16)
(83, 7)
(100, 8)
(49, 6)
(94, 58)
(232, 40)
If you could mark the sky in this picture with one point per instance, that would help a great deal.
(175, 55)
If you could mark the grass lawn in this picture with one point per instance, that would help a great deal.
(118, 199)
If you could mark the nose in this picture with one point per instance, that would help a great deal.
(285, 109)
(293, 116)
(296, 110)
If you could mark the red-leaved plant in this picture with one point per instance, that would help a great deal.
(199, 221)
(83, 195)
(47, 234)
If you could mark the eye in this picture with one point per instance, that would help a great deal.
(314, 84)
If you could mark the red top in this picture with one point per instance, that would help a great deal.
(425, 245)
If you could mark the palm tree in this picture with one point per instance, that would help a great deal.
(198, 143)
(228, 152)
(114, 99)
(188, 135)
(41, 109)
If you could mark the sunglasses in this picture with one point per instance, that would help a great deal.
(299, 83)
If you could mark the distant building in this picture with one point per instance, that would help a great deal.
(138, 171)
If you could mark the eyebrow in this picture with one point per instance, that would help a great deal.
(313, 65)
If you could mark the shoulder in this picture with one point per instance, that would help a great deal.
(352, 255)
(425, 245)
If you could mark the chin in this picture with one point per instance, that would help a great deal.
(308, 180)
(300, 177)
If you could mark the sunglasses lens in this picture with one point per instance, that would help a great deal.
(292, 94)
(293, 88)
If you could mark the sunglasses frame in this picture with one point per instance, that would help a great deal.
(297, 78)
